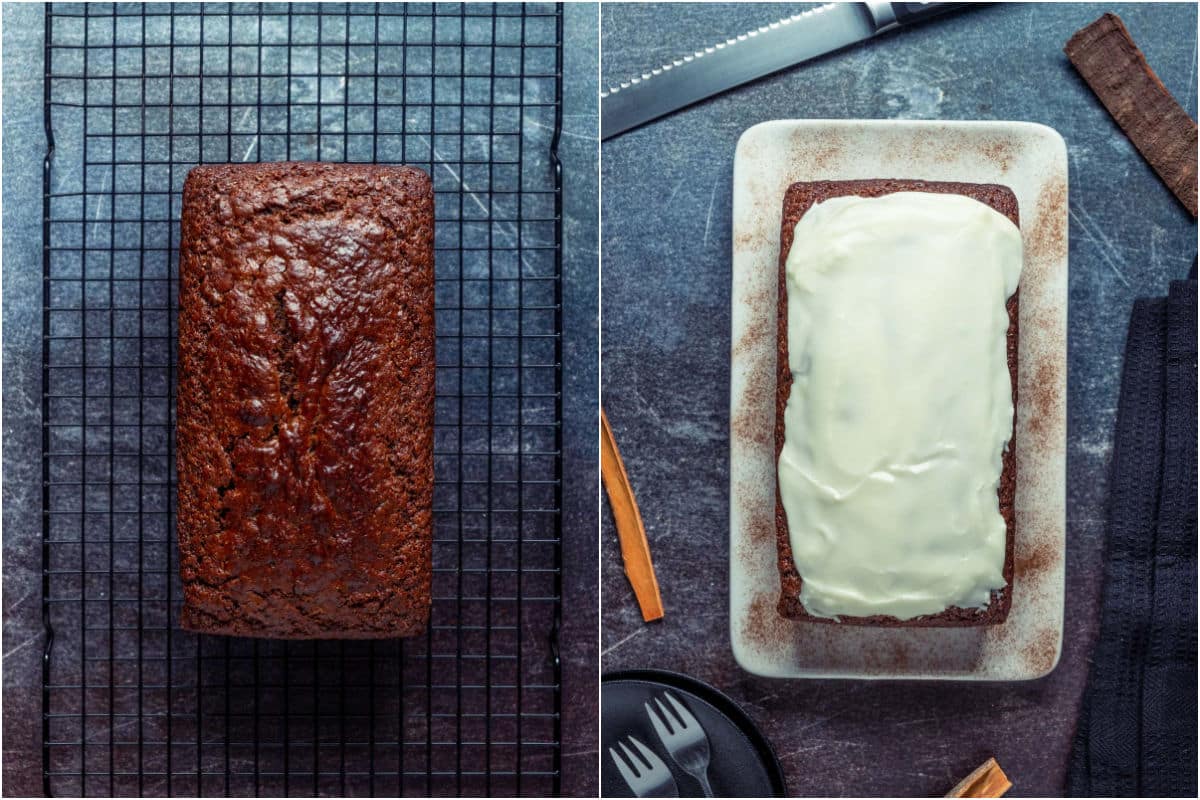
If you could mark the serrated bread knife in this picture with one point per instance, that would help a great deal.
(752, 55)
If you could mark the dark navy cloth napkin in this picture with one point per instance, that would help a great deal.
(1137, 727)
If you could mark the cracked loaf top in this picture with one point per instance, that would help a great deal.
(305, 400)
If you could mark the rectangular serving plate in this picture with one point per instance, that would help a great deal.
(1031, 160)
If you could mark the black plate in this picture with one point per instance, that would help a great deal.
(742, 761)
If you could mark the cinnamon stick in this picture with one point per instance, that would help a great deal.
(988, 780)
(635, 550)
(1112, 65)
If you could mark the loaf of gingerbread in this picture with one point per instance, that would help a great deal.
(305, 400)
(895, 421)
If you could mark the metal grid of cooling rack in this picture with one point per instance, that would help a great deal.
(135, 96)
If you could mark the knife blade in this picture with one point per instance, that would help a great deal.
(751, 55)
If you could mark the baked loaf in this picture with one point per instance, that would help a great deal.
(305, 401)
(798, 199)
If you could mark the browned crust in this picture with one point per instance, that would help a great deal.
(798, 199)
(306, 400)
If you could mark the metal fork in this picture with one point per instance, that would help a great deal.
(683, 737)
(647, 777)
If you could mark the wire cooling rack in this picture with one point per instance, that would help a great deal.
(135, 96)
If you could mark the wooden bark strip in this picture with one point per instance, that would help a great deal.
(635, 550)
(1113, 66)
(986, 781)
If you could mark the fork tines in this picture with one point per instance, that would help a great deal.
(644, 772)
(667, 724)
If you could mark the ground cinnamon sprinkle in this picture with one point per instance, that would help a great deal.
(1040, 652)
(1048, 239)
(764, 627)
(1031, 564)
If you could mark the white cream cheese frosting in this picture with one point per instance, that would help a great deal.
(901, 402)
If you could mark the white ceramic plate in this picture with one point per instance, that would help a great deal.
(1032, 161)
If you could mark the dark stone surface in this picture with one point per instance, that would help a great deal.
(665, 341)
(24, 145)
(581, 471)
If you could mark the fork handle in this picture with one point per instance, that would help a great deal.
(705, 786)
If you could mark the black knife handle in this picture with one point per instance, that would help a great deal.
(918, 12)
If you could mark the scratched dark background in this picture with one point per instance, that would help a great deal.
(666, 340)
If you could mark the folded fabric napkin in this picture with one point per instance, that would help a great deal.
(1137, 726)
